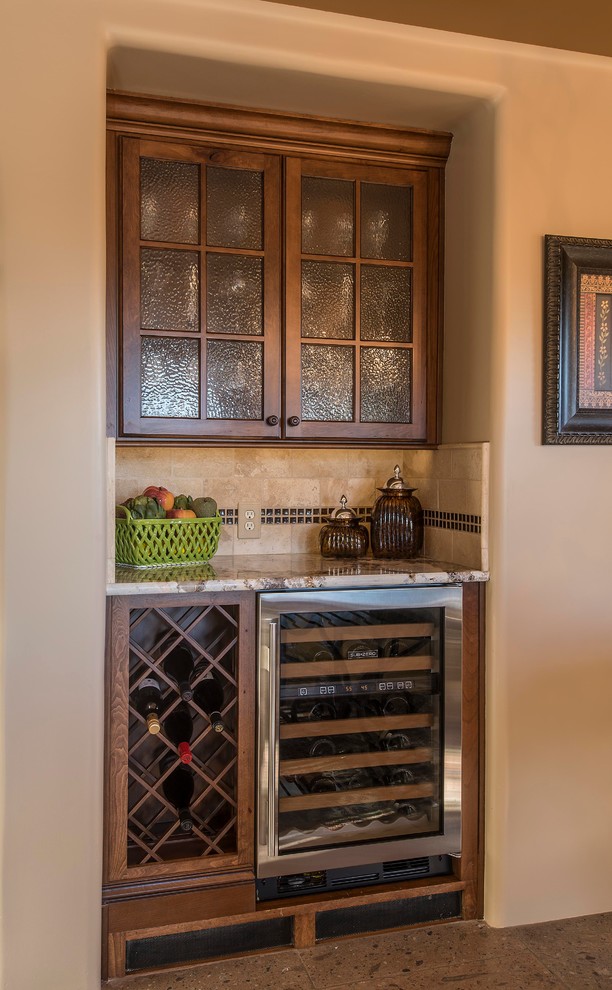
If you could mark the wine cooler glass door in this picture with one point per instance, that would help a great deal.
(359, 731)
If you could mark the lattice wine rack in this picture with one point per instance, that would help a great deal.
(153, 826)
(146, 836)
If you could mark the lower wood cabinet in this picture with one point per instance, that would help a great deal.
(170, 896)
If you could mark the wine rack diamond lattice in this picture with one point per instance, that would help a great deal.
(154, 833)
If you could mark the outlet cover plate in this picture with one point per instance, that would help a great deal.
(249, 521)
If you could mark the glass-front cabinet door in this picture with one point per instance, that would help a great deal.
(358, 306)
(200, 328)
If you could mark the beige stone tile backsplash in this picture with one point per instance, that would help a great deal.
(451, 478)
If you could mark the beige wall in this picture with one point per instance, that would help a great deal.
(542, 151)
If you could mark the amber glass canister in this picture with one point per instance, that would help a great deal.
(397, 520)
(343, 536)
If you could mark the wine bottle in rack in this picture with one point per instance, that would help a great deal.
(322, 746)
(178, 665)
(313, 711)
(150, 703)
(370, 707)
(400, 739)
(178, 789)
(397, 739)
(306, 652)
(178, 727)
(323, 784)
(402, 647)
(401, 776)
(208, 696)
(396, 704)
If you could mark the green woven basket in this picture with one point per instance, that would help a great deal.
(158, 542)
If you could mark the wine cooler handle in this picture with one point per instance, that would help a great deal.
(273, 740)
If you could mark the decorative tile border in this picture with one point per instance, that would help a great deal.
(459, 521)
(436, 518)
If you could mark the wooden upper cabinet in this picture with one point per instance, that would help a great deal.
(272, 278)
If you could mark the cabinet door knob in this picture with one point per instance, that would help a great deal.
(272, 420)
(293, 421)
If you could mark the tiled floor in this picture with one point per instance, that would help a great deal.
(557, 955)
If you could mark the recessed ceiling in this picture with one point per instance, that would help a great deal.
(164, 74)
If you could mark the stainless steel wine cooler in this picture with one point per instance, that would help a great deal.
(359, 736)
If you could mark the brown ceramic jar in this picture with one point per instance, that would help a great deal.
(343, 536)
(397, 521)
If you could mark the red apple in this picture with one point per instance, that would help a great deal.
(161, 495)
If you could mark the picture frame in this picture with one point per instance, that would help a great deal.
(577, 390)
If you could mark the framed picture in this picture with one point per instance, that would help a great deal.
(577, 340)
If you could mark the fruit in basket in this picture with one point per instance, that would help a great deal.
(183, 502)
(161, 495)
(204, 508)
(180, 514)
(144, 507)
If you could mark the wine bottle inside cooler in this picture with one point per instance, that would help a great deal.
(323, 784)
(208, 696)
(396, 704)
(178, 727)
(402, 647)
(178, 790)
(313, 711)
(178, 665)
(307, 652)
(401, 739)
(150, 703)
(370, 707)
(402, 776)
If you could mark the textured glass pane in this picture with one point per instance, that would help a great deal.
(234, 207)
(169, 201)
(385, 222)
(234, 294)
(328, 300)
(386, 385)
(328, 216)
(385, 303)
(170, 377)
(234, 375)
(327, 383)
(169, 290)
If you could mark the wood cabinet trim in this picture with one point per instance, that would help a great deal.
(276, 130)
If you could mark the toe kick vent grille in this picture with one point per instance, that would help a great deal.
(212, 943)
(390, 914)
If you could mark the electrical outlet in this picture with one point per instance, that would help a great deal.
(249, 521)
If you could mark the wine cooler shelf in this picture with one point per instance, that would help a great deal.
(181, 733)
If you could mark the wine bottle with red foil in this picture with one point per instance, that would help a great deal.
(178, 790)
(208, 696)
(178, 727)
(178, 665)
(149, 702)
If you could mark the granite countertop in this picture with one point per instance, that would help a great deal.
(279, 572)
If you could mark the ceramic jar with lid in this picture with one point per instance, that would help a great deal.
(343, 536)
(397, 520)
